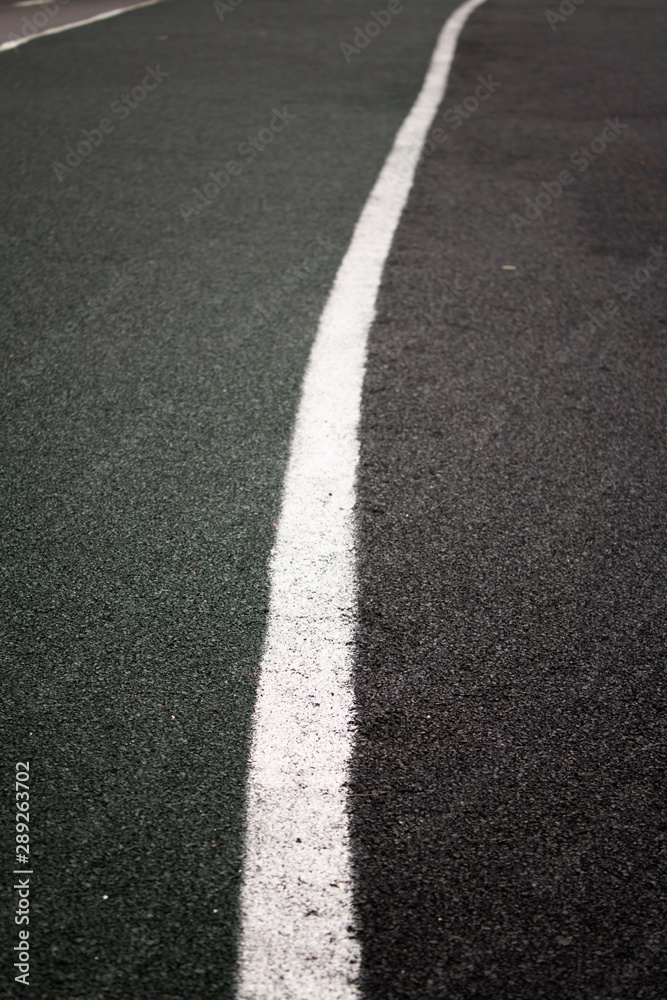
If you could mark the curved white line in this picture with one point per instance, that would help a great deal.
(296, 902)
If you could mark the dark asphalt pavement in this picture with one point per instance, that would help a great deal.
(508, 783)
(150, 371)
(509, 777)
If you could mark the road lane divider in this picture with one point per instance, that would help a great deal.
(297, 936)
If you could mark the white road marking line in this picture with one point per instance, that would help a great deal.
(15, 42)
(296, 902)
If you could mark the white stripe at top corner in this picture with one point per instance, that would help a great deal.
(57, 29)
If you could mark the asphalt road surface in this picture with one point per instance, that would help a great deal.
(21, 20)
(507, 790)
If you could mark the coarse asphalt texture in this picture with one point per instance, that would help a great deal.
(507, 789)
(151, 368)
(508, 792)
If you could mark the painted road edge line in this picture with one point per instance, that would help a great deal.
(297, 940)
(14, 43)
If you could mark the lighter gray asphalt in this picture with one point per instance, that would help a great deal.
(20, 21)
